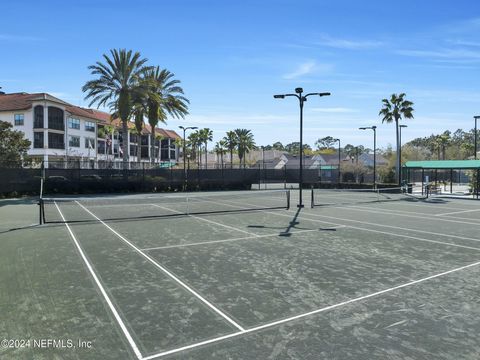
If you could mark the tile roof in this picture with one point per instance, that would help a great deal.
(23, 101)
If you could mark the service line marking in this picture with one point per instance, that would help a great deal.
(167, 272)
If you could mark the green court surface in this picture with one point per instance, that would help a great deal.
(367, 280)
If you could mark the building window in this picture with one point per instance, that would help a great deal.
(144, 139)
(173, 153)
(38, 140)
(19, 119)
(56, 141)
(38, 117)
(133, 150)
(101, 147)
(164, 149)
(55, 118)
(74, 123)
(133, 138)
(74, 141)
(89, 126)
(89, 143)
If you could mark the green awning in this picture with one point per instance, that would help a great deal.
(443, 164)
(328, 167)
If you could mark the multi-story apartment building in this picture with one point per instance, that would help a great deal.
(66, 135)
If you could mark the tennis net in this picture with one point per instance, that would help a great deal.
(126, 207)
(320, 197)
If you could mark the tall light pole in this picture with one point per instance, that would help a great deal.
(374, 128)
(301, 98)
(400, 127)
(476, 134)
(184, 154)
(339, 159)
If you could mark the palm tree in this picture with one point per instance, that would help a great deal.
(138, 114)
(220, 149)
(394, 110)
(443, 142)
(205, 135)
(118, 82)
(194, 140)
(165, 97)
(231, 141)
(245, 143)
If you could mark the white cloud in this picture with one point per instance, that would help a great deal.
(307, 68)
(326, 40)
(463, 42)
(454, 54)
(303, 69)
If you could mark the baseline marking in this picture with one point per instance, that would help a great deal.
(170, 274)
(102, 290)
(396, 211)
(357, 208)
(331, 307)
(457, 212)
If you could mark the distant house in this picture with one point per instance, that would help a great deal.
(367, 160)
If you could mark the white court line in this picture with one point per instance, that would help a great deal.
(102, 290)
(457, 212)
(386, 232)
(331, 307)
(371, 230)
(171, 275)
(397, 227)
(365, 209)
(396, 211)
(210, 221)
(228, 240)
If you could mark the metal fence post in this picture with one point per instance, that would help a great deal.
(259, 177)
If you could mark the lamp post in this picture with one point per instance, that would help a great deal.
(400, 127)
(476, 134)
(301, 98)
(184, 154)
(339, 160)
(374, 128)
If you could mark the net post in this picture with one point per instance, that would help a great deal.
(41, 215)
(259, 177)
(312, 199)
(288, 199)
(188, 210)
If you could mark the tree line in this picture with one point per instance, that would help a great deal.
(239, 141)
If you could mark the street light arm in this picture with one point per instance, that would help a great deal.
(282, 96)
(318, 94)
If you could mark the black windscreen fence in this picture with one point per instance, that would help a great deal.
(77, 180)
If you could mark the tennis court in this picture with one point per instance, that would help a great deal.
(245, 275)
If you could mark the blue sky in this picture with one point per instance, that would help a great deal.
(232, 56)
